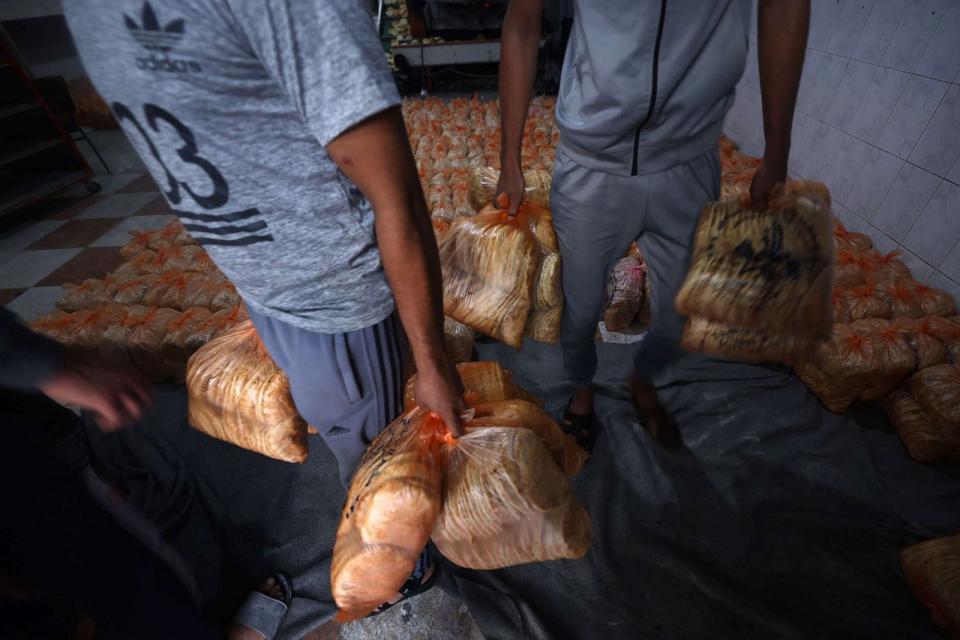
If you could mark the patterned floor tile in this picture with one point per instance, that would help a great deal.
(118, 235)
(141, 184)
(94, 262)
(76, 233)
(59, 208)
(119, 205)
(26, 233)
(35, 302)
(7, 295)
(156, 206)
(28, 268)
(109, 183)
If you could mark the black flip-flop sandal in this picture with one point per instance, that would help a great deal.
(412, 587)
(582, 428)
(264, 614)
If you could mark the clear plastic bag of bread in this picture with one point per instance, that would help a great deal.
(947, 332)
(937, 390)
(744, 343)
(624, 293)
(184, 336)
(923, 439)
(484, 180)
(895, 356)
(391, 509)
(845, 239)
(841, 368)
(929, 349)
(769, 270)
(89, 293)
(932, 569)
(490, 262)
(933, 302)
(901, 298)
(506, 502)
(458, 339)
(544, 324)
(237, 394)
(851, 268)
(483, 381)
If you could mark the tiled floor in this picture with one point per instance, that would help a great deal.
(73, 237)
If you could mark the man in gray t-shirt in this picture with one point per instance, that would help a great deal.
(272, 128)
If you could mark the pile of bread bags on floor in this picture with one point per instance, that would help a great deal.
(167, 300)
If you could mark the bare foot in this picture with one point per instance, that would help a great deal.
(235, 631)
(656, 420)
(581, 404)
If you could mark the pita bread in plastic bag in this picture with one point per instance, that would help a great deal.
(549, 286)
(841, 306)
(744, 343)
(483, 381)
(770, 269)
(237, 394)
(937, 390)
(841, 369)
(923, 440)
(895, 358)
(849, 268)
(522, 414)
(887, 267)
(624, 293)
(391, 509)
(934, 302)
(932, 569)
(458, 339)
(866, 303)
(85, 295)
(947, 332)
(844, 239)
(901, 297)
(483, 187)
(929, 350)
(506, 502)
(145, 329)
(544, 324)
(139, 241)
(183, 338)
(490, 262)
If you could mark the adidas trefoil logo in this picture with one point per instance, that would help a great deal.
(159, 40)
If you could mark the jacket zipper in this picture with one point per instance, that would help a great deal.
(653, 89)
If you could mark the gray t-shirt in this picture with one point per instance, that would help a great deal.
(231, 103)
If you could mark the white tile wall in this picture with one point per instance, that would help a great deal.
(878, 121)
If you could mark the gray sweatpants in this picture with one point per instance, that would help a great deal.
(347, 385)
(597, 215)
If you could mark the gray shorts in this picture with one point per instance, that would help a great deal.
(349, 386)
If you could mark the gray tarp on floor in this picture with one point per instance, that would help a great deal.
(778, 519)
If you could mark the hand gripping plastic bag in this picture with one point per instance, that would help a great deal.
(506, 502)
(770, 270)
(483, 187)
(932, 569)
(391, 509)
(922, 438)
(237, 394)
(489, 265)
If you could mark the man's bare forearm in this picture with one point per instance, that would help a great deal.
(782, 27)
(519, 42)
(376, 156)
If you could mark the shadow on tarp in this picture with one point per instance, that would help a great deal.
(777, 520)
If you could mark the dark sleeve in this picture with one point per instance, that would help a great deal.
(27, 359)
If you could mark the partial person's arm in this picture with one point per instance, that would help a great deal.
(782, 27)
(376, 156)
(519, 43)
(116, 396)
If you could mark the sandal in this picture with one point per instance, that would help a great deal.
(582, 428)
(414, 586)
(264, 614)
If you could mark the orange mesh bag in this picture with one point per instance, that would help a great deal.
(937, 391)
(929, 350)
(391, 509)
(895, 358)
(901, 297)
(934, 302)
(932, 569)
(132, 292)
(521, 414)
(237, 394)
(484, 381)
(767, 270)
(922, 439)
(866, 303)
(743, 343)
(145, 332)
(624, 293)
(947, 332)
(458, 339)
(139, 241)
(490, 262)
(88, 293)
(850, 268)
(182, 339)
(845, 239)
(483, 186)
(506, 502)
(841, 368)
